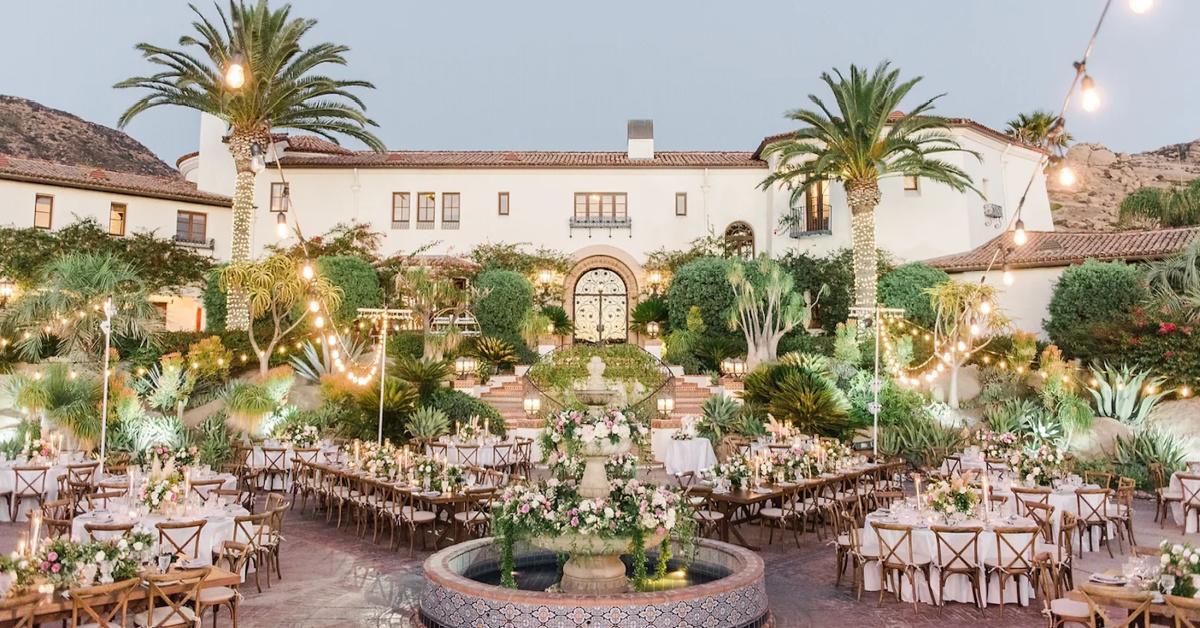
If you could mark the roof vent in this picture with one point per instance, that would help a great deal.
(641, 139)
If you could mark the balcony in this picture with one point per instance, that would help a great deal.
(591, 223)
(193, 243)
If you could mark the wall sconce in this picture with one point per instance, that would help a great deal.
(532, 405)
(466, 366)
(652, 329)
(733, 367)
(655, 280)
(666, 405)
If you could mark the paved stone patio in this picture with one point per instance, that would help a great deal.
(333, 578)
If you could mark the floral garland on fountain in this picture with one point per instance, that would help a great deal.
(1039, 466)
(555, 508)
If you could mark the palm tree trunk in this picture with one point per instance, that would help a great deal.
(862, 198)
(242, 237)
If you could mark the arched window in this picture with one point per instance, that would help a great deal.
(739, 240)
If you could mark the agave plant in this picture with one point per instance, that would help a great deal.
(427, 423)
(1150, 445)
(157, 430)
(167, 386)
(1126, 394)
(1010, 416)
(720, 418)
(313, 362)
(214, 440)
(919, 440)
(1043, 427)
(248, 404)
(424, 374)
(495, 352)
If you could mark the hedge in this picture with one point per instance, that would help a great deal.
(358, 281)
(702, 283)
(904, 287)
(1092, 293)
(507, 296)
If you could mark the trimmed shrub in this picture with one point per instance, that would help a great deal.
(905, 286)
(214, 302)
(1092, 293)
(704, 284)
(460, 407)
(358, 281)
(507, 296)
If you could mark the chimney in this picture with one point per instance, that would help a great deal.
(641, 139)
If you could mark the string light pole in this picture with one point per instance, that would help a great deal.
(106, 327)
(875, 317)
(385, 316)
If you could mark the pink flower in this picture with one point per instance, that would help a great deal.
(52, 556)
(56, 567)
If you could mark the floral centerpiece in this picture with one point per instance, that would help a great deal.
(300, 436)
(687, 429)
(736, 471)
(778, 431)
(793, 464)
(953, 498)
(379, 460)
(182, 457)
(38, 448)
(163, 488)
(63, 563)
(997, 445)
(1178, 570)
(424, 469)
(1039, 466)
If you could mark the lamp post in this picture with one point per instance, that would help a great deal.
(106, 327)
(532, 405)
(666, 405)
(655, 281)
(544, 281)
(733, 368)
(874, 316)
(465, 366)
(6, 291)
(652, 329)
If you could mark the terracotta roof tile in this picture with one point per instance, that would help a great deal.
(314, 144)
(1063, 248)
(527, 159)
(951, 122)
(87, 177)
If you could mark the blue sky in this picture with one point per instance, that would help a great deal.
(713, 75)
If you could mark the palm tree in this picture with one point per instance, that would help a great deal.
(68, 306)
(1175, 281)
(281, 90)
(868, 139)
(1038, 129)
(1176, 206)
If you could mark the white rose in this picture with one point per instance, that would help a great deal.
(1164, 559)
(138, 546)
(99, 556)
(587, 434)
(622, 431)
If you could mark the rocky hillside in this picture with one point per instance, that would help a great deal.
(1105, 178)
(28, 129)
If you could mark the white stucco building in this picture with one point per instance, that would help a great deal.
(609, 209)
(48, 195)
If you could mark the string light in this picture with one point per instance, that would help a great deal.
(1089, 96)
(1066, 176)
(1019, 237)
(1007, 276)
(281, 226)
(313, 306)
(985, 307)
(235, 72)
(307, 272)
(1141, 6)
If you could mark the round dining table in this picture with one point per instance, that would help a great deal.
(692, 454)
(218, 527)
(924, 544)
(1063, 499)
(48, 485)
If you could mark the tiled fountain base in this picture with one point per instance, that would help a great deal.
(451, 600)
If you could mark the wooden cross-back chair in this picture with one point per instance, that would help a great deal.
(1136, 603)
(169, 606)
(20, 611)
(100, 501)
(957, 555)
(203, 488)
(1014, 556)
(108, 530)
(170, 533)
(1190, 496)
(274, 466)
(102, 606)
(1024, 495)
(1185, 609)
(57, 515)
(897, 558)
(252, 530)
(1092, 506)
(468, 455)
(30, 485)
(502, 456)
(953, 465)
(438, 450)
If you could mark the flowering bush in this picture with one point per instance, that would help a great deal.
(953, 497)
(997, 444)
(1038, 466)
(1179, 570)
(163, 487)
(300, 436)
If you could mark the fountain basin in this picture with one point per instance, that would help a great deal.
(724, 589)
(595, 565)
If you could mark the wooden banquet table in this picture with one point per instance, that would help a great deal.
(58, 606)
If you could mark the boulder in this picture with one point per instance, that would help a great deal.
(1100, 440)
(1101, 156)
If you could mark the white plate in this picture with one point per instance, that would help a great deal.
(762, 490)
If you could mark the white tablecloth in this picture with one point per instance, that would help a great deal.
(1061, 500)
(681, 456)
(8, 484)
(485, 456)
(958, 587)
(219, 526)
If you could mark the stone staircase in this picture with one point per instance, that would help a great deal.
(509, 399)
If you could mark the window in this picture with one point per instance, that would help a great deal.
(502, 204)
(191, 227)
(43, 211)
(400, 210)
(116, 219)
(681, 203)
(600, 207)
(426, 203)
(912, 183)
(816, 207)
(739, 240)
(450, 210)
(280, 197)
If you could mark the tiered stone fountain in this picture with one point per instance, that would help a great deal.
(722, 587)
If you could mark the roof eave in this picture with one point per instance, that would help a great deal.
(117, 189)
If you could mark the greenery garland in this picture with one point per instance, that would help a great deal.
(508, 563)
(664, 557)
(639, 560)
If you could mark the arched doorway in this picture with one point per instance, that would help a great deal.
(739, 240)
(601, 303)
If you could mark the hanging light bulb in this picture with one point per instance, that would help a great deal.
(307, 272)
(313, 306)
(985, 307)
(962, 346)
(1019, 237)
(319, 322)
(1089, 96)
(1006, 276)
(235, 72)
(258, 162)
(974, 329)
(1066, 176)
(281, 226)
(1141, 6)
